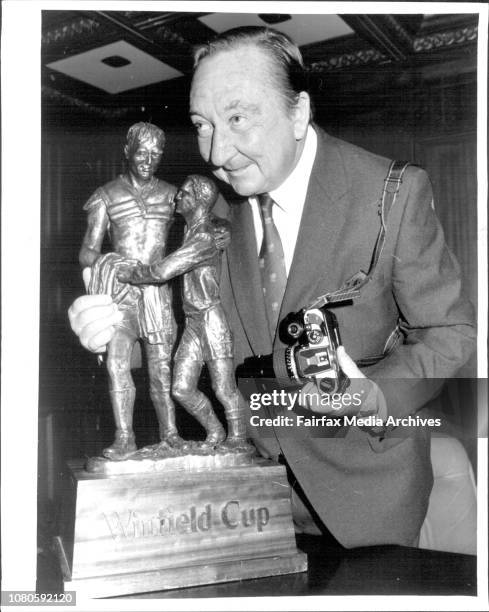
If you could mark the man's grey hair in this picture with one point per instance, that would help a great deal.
(289, 73)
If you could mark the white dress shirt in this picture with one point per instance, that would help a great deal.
(290, 198)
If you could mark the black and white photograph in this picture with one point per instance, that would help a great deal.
(244, 305)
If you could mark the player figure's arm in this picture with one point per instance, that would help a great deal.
(97, 225)
(197, 251)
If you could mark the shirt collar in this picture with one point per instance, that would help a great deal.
(297, 181)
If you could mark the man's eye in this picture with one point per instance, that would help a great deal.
(237, 119)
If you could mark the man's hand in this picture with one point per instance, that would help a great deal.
(92, 318)
(362, 395)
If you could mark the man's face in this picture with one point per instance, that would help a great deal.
(144, 158)
(185, 199)
(243, 128)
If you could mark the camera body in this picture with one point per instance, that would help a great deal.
(314, 336)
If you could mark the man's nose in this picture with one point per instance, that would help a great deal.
(221, 148)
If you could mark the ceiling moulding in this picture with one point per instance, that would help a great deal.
(164, 34)
(356, 58)
(441, 40)
(70, 31)
(71, 101)
(421, 44)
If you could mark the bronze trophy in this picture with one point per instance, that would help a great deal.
(180, 512)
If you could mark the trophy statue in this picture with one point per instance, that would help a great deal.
(180, 512)
(138, 209)
(206, 337)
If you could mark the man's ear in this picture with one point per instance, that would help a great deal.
(126, 151)
(302, 114)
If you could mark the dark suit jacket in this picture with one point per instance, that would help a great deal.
(367, 489)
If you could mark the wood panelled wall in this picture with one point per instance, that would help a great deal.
(432, 124)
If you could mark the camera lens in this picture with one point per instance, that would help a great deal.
(294, 329)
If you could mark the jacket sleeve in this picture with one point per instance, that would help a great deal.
(436, 318)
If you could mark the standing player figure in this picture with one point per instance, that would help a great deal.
(137, 208)
(206, 337)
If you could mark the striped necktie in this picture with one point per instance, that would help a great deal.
(272, 264)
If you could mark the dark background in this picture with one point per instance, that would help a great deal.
(418, 105)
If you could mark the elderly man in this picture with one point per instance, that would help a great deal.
(316, 199)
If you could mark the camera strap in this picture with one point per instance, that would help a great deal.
(351, 288)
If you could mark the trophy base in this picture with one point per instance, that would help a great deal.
(135, 533)
(181, 577)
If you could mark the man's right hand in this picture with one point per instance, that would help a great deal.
(92, 318)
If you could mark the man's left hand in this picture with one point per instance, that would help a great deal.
(361, 395)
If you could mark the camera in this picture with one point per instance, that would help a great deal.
(313, 335)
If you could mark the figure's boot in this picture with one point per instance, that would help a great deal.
(165, 411)
(124, 442)
(206, 416)
(236, 420)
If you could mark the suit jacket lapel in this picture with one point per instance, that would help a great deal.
(320, 229)
(246, 279)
